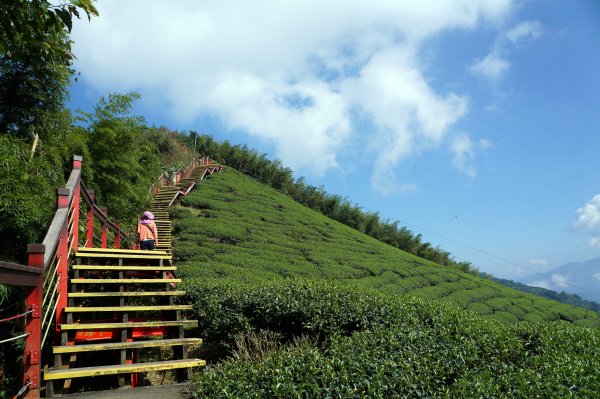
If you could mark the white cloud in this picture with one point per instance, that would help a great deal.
(554, 282)
(589, 215)
(496, 64)
(524, 31)
(542, 284)
(560, 280)
(594, 242)
(596, 276)
(539, 262)
(492, 66)
(464, 151)
(290, 73)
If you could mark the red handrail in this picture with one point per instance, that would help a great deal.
(46, 275)
(171, 179)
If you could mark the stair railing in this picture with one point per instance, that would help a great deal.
(172, 179)
(46, 273)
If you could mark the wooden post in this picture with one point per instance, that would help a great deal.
(33, 325)
(89, 225)
(118, 234)
(77, 163)
(62, 253)
(103, 233)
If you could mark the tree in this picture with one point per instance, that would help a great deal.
(125, 161)
(33, 25)
(35, 60)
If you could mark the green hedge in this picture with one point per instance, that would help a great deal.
(366, 344)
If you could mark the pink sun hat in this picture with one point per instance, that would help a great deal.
(147, 218)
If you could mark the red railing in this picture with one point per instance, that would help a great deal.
(46, 274)
(172, 178)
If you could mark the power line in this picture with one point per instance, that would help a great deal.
(493, 256)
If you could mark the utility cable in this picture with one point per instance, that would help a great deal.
(495, 256)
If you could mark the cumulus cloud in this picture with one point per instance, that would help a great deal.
(589, 215)
(291, 73)
(524, 32)
(594, 242)
(588, 221)
(496, 64)
(539, 262)
(492, 66)
(464, 151)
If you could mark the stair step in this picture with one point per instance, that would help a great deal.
(141, 255)
(103, 326)
(113, 251)
(124, 280)
(75, 309)
(119, 268)
(125, 293)
(151, 343)
(121, 369)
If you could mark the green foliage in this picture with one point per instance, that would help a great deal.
(235, 229)
(35, 59)
(272, 173)
(124, 160)
(27, 197)
(31, 24)
(377, 345)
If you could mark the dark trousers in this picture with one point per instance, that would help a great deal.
(147, 244)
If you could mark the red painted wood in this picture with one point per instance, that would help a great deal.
(118, 235)
(89, 226)
(104, 230)
(33, 325)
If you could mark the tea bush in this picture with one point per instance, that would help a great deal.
(254, 234)
(378, 346)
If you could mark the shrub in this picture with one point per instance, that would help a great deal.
(381, 347)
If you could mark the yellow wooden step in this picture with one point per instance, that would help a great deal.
(119, 268)
(125, 293)
(121, 369)
(114, 251)
(77, 309)
(151, 343)
(124, 280)
(103, 326)
(124, 256)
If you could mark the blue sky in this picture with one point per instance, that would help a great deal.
(474, 121)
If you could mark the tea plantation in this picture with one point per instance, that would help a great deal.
(310, 308)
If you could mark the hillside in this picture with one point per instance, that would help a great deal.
(562, 296)
(293, 304)
(236, 229)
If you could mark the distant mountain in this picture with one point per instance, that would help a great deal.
(582, 279)
(564, 297)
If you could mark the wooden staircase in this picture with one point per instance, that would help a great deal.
(121, 302)
(121, 312)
